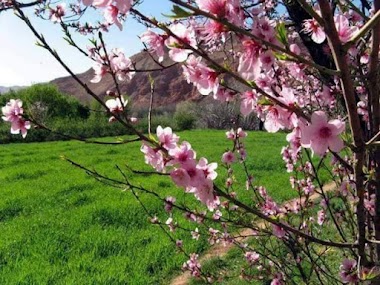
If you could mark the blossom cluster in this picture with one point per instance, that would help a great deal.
(257, 62)
(195, 176)
(113, 9)
(13, 113)
(115, 62)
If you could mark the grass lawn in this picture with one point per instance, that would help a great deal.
(61, 226)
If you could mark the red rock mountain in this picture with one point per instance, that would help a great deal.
(170, 85)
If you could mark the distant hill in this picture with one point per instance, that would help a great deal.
(170, 85)
(4, 89)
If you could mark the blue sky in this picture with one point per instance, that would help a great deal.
(24, 63)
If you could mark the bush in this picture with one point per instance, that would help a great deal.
(185, 116)
(60, 113)
(45, 102)
(216, 115)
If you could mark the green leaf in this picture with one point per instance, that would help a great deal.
(178, 13)
(151, 137)
(281, 33)
(264, 102)
(281, 56)
(68, 40)
(372, 274)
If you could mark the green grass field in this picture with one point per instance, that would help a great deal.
(61, 226)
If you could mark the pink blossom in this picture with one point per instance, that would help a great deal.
(169, 201)
(204, 192)
(216, 7)
(231, 135)
(270, 207)
(275, 119)
(321, 217)
(348, 271)
(183, 154)
(169, 222)
(204, 78)
(166, 137)
(20, 126)
(264, 28)
(241, 133)
(321, 135)
(197, 177)
(252, 257)
(312, 27)
(180, 177)
(100, 70)
(278, 231)
(266, 60)
(97, 3)
(248, 102)
(295, 49)
(208, 169)
(249, 63)
(193, 265)
(153, 157)
(57, 13)
(116, 105)
(223, 95)
(369, 204)
(265, 80)
(121, 65)
(228, 157)
(195, 234)
(123, 5)
(111, 16)
(12, 110)
(155, 43)
(342, 25)
(278, 280)
(213, 32)
(186, 35)
(217, 215)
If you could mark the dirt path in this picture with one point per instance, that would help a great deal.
(220, 250)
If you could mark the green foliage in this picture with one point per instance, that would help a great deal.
(45, 98)
(61, 113)
(185, 116)
(178, 13)
(71, 229)
(157, 120)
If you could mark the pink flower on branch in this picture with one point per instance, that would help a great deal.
(348, 271)
(321, 134)
(183, 35)
(12, 112)
(111, 16)
(314, 29)
(57, 13)
(166, 137)
(249, 61)
(215, 7)
(228, 157)
(155, 43)
(203, 77)
(116, 105)
(20, 126)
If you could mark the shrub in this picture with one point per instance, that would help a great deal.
(185, 116)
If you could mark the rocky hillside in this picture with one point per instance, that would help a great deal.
(170, 85)
(4, 89)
